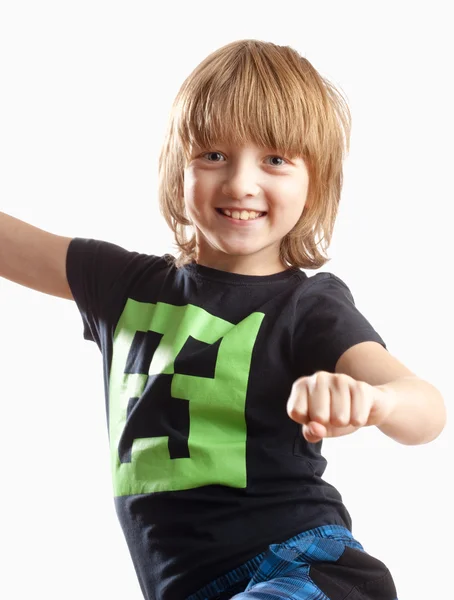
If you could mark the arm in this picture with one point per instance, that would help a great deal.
(419, 414)
(369, 387)
(33, 257)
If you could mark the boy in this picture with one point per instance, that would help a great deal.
(226, 366)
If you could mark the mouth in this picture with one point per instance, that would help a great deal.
(261, 215)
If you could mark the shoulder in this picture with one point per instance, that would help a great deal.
(326, 278)
(328, 322)
(326, 285)
(95, 251)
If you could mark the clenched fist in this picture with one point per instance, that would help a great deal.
(335, 404)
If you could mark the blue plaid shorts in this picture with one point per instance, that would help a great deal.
(325, 563)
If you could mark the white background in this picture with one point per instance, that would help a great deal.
(86, 89)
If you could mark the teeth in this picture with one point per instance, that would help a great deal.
(244, 215)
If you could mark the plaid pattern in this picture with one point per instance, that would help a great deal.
(325, 559)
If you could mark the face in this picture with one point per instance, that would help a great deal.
(239, 178)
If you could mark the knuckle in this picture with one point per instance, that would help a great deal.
(340, 420)
(339, 381)
(299, 384)
(320, 417)
(292, 411)
(324, 376)
(357, 422)
(362, 387)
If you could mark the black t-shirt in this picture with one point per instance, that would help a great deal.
(207, 467)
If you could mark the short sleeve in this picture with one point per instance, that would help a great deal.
(327, 323)
(99, 275)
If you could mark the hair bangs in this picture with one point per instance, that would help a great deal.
(245, 102)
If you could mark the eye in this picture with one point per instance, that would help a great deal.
(211, 154)
(279, 158)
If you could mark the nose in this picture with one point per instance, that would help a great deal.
(240, 182)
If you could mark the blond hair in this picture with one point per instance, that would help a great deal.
(269, 95)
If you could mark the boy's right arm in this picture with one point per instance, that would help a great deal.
(33, 257)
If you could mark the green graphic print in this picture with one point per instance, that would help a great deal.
(156, 336)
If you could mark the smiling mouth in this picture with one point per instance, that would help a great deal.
(263, 214)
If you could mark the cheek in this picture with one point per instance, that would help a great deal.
(290, 198)
(290, 206)
(299, 195)
(195, 187)
(190, 195)
(188, 183)
(195, 195)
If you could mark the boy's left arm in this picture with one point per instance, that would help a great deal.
(369, 387)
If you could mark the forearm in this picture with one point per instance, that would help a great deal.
(419, 415)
